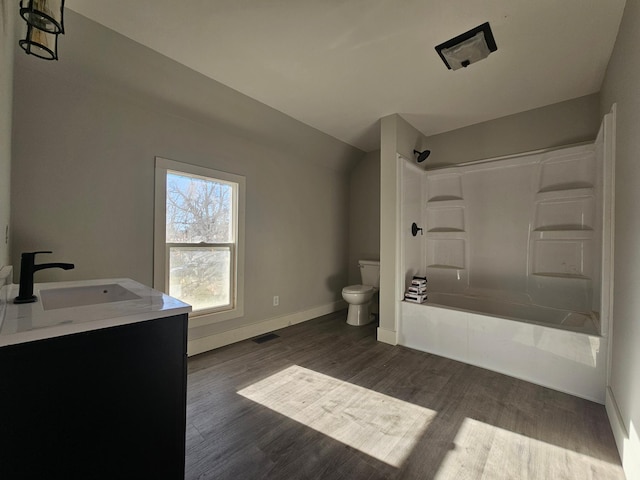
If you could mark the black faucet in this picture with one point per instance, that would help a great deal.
(27, 269)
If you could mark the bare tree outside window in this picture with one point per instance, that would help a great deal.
(198, 210)
(200, 240)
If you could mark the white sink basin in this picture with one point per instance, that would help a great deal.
(86, 295)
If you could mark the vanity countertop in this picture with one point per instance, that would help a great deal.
(31, 321)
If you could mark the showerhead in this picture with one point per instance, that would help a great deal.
(422, 156)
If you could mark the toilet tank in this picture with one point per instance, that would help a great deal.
(370, 272)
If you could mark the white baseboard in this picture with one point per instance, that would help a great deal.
(627, 442)
(204, 344)
(387, 336)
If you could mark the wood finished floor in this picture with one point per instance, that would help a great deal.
(326, 401)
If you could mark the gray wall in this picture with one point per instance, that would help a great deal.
(564, 123)
(9, 13)
(397, 136)
(87, 129)
(622, 86)
(364, 213)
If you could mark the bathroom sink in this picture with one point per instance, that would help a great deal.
(86, 295)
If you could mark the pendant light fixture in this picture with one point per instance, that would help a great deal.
(45, 21)
(40, 43)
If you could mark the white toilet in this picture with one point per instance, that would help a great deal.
(359, 296)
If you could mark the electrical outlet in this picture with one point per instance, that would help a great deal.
(276, 300)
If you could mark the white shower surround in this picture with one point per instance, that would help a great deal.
(552, 278)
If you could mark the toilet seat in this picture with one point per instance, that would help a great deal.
(358, 289)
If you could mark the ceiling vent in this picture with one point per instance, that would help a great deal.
(468, 48)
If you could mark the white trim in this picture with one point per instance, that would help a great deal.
(399, 253)
(159, 220)
(167, 164)
(628, 445)
(606, 137)
(387, 336)
(626, 437)
(608, 230)
(204, 344)
(162, 165)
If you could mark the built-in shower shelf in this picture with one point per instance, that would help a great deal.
(445, 267)
(444, 198)
(572, 276)
(447, 237)
(455, 202)
(564, 228)
(545, 194)
(444, 229)
(584, 234)
(565, 186)
(572, 210)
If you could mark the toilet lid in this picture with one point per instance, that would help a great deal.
(358, 289)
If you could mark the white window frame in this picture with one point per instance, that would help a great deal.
(160, 246)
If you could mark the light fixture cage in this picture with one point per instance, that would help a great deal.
(45, 15)
(40, 43)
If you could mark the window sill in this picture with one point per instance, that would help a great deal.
(201, 320)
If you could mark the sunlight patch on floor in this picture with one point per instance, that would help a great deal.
(376, 424)
(488, 452)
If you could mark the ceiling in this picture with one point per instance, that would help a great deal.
(341, 65)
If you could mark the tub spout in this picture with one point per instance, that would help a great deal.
(27, 269)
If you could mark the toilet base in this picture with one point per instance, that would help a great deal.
(359, 315)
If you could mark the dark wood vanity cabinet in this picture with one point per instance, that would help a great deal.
(104, 404)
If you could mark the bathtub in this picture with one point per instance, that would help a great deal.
(554, 348)
(549, 317)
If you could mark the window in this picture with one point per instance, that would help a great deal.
(198, 247)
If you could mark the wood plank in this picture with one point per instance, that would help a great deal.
(344, 406)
